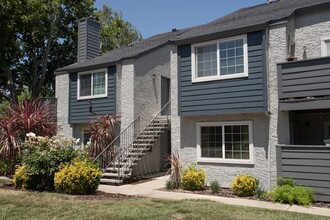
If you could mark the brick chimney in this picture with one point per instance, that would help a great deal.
(88, 39)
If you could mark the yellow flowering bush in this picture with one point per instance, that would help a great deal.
(193, 178)
(20, 177)
(244, 185)
(78, 178)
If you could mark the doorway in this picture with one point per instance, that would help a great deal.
(165, 95)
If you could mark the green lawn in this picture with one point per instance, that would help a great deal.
(33, 205)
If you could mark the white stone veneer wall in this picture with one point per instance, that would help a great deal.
(62, 96)
(127, 96)
(310, 28)
(279, 121)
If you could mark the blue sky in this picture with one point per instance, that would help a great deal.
(158, 16)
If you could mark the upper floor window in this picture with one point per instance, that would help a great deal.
(92, 84)
(325, 46)
(221, 59)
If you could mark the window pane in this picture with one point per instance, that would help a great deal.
(207, 64)
(232, 59)
(99, 83)
(85, 84)
(211, 142)
(237, 141)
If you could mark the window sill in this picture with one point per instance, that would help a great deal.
(214, 78)
(222, 161)
(92, 97)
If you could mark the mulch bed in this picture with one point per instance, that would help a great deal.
(98, 196)
(226, 192)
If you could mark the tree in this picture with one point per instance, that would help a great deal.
(115, 31)
(39, 36)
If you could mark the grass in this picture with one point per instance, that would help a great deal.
(36, 205)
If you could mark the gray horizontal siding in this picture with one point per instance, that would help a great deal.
(79, 109)
(240, 95)
(308, 166)
(304, 78)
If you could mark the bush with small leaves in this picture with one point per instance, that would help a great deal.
(293, 195)
(193, 178)
(215, 186)
(78, 178)
(244, 185)
(285, 181)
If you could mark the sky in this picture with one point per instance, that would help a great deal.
(153, 17)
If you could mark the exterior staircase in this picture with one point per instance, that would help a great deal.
(131, 152)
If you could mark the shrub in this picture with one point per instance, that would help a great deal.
(215, 186)
(293, 195)
(244, 185)
(285, 181)
(20, 177)
(42, 158)
(18, 120)
(79, 178)
(193, 178)
(169, 184)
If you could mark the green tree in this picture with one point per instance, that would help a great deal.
(39, 36)
(115, 31)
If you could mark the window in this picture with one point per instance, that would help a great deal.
(325, 46)
(92, 84)
(222, 59)
(225, 142)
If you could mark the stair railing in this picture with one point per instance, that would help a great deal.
(124, 139)
(121, 159)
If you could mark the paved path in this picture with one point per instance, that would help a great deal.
(149, 189)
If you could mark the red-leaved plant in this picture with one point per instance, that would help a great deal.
(29, 116)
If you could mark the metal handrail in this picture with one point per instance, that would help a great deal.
(126, 130)
(120, 155)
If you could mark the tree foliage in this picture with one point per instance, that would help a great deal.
(39, 36)
(115, 31)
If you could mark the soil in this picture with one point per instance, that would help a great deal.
(226, 192)
(98, 196)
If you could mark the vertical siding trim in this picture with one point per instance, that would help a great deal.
(279, 161)
(264, 69)
(280, 81)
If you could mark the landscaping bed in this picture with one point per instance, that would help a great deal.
(226, 192)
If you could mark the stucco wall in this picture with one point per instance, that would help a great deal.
(225, 173)
(279, 121)
(62, 96)
(147, 82)
(310, 28)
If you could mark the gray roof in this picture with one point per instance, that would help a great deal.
(247, 17)
(258, 15)
(127, 52)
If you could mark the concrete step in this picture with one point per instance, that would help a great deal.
(124, 164)
(116, 175)
(111, 181)
(114, 169)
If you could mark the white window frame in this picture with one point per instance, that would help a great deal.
(324, 46)
(223, 160)
(92, 96)
(194, 76)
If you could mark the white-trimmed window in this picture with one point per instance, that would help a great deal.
(220, 59)
(225, 142)
(92, 84)
(325, 46)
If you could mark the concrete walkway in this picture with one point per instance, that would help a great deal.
(149, 190)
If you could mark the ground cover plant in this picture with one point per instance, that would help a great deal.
(27, 205)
